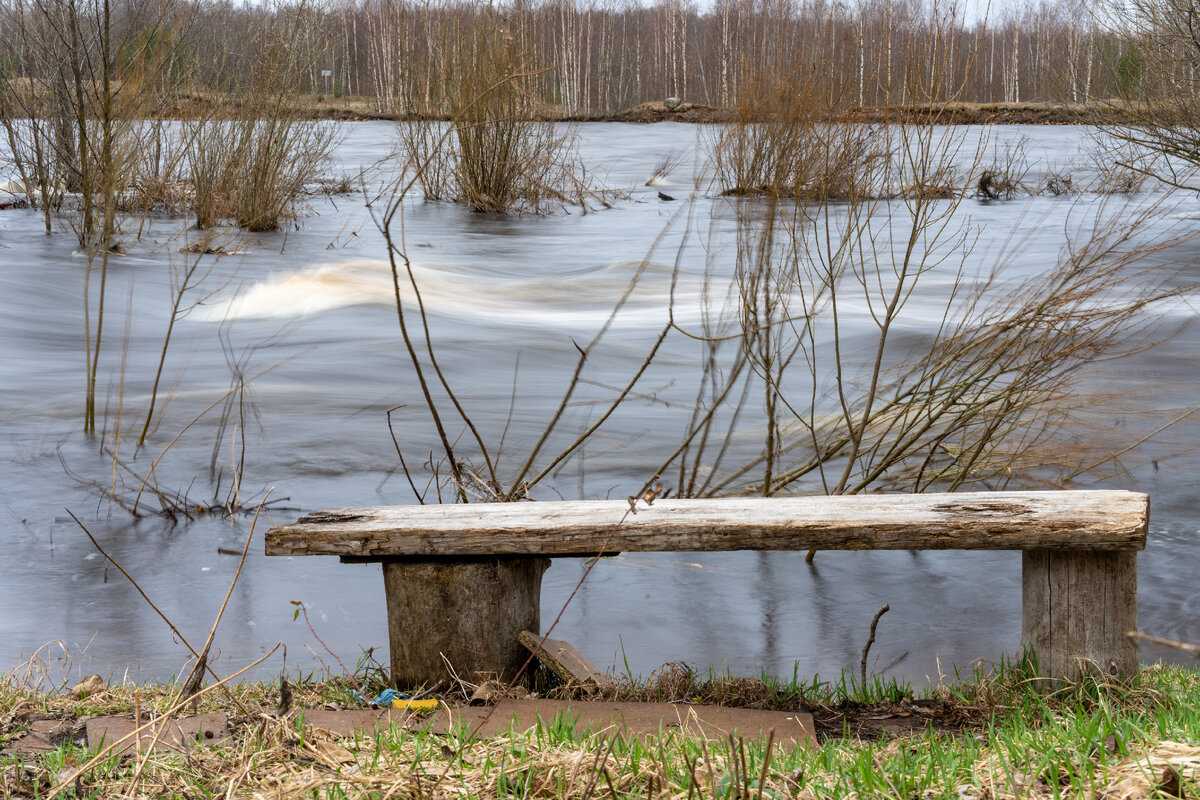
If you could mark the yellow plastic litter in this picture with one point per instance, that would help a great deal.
(415, 705)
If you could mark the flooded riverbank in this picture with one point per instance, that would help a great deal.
(307, 317)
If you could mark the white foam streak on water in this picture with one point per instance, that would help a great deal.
(587, 298)
(640, 290)
(311, 290)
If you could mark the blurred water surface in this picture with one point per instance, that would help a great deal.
(312, 310)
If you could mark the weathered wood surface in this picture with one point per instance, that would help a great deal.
(561, 658)
(1071, 520)
(1077, 610)
(467, 616)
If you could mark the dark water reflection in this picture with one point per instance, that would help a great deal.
(507, 297)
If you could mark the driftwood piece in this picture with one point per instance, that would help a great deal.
(1191, 649)
(1083, 520)
(561, 658)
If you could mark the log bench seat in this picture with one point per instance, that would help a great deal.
(462, 581)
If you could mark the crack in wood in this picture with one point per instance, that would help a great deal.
(332, 516)
(983, 508)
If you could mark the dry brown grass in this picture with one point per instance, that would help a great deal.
(1020, 743)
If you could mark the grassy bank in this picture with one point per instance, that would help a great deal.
(995, 736)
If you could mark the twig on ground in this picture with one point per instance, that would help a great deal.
(1190, 649)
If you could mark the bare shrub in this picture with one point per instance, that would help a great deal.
(940, 184)
(424, 142)
(1119, 166)
(1119, 179)
(1004, 178)
(280, 157)
(212, 146)
(252, 170)
(828, 368)
(1058, 183)
(157, 182)
(664, 168)
(495, 155)
(505, 163)
(342, 185)
(993, 185)
(785, 141)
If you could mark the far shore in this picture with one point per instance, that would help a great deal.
(365, 108)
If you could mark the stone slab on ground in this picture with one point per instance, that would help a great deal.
(627, 719)
(637, 719)
(179, 733)
(43, 736)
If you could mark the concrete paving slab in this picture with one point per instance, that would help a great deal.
(349, 722)
(625, 719)
(178, 734)
(43, 736)
(637, 719)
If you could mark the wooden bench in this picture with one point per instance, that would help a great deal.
(462, 581)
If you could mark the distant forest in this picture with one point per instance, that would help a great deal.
(602, 56)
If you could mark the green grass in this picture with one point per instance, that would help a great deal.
(994, 735)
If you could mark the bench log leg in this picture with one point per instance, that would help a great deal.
(1076, 610)
(469, 611)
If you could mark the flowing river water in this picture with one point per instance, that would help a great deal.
(309, 314)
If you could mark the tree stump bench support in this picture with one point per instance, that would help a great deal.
(463, 581)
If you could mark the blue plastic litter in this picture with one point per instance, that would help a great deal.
(388, 695)
(385, 698)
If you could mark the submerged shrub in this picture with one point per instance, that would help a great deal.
(279, 156)
(1057, 184)
(253, 171)
(496, 155)
(785, 141)
(995, 185)
(1004, 178)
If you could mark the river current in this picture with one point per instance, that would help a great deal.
(308, 313)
